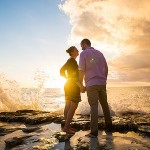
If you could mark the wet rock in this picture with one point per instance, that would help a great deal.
(12, 142)
(25, 111)
(62, 122)
(128, 122)
(84, 125)
(142, 120)
(144, 130)
(62, 136)
(37, 119)
(82, 122)
(30, 129)
(58, 119)
(28, 117)
(129, 113)
(4, 130)
(83, 143)
(45, 143)
(125, 122)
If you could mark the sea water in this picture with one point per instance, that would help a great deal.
(120, 100)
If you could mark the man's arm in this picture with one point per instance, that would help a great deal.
(81, 75)
(81, 71)
(81, 67)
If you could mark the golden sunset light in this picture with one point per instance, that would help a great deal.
(55, 83)
(120, 29)
(74, 74)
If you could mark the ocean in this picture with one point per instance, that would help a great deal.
(120, 99)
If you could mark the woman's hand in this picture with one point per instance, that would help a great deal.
(82, 89)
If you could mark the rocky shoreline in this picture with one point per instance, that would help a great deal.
(31, 122)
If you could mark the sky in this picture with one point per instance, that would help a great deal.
(34, 35)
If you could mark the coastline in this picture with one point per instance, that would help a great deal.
(29, 129)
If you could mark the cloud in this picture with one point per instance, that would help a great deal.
(133, 64)
(121, 25)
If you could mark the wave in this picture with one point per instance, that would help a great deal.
(120, 100)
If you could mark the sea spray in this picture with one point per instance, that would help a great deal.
(129, 99)
(84, 107)
(9, 94)
(121, 100)
(13, 98)
(41, 78)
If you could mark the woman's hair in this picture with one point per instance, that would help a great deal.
(70, 50)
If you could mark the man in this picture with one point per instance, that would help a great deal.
(93, 67)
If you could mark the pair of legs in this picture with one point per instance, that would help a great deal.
(70, 108)
(97, 93)
(72, 97)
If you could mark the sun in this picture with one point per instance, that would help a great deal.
(57, 82)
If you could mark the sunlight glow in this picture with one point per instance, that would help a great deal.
(55, 83)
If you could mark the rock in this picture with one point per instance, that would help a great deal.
(26, 111)
(30, 129)
(126, 122)
(28, 117)
(58, 119)
(142, 120)
(12, 142)
(62, 136)
(83, 143)
(5, 130)
(144, 130)
(45, 143)
(84, 125)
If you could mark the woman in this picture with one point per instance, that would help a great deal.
(72, 88)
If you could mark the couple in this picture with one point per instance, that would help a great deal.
(93, 68)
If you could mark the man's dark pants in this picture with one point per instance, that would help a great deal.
(97, 93)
